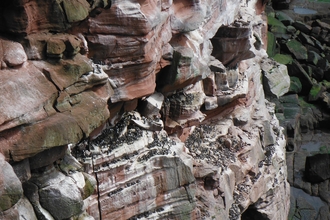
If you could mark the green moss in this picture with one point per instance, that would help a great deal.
(295, 85)
(298, 50)
(304, 104)
(5, 203)
(271, 45)
(274, 22)
(326, 84)
(324, 149)
(314, 93)
(90, 186)
(283, 58)
(281, 16)
(275, 26)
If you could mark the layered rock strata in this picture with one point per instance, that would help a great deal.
(138, 110)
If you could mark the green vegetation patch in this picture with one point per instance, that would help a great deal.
(295, 85)
(315, 92)
(276, 26)
(275, 22)
(283, 58)
(324, 149)
(271, 44)
(298, 50)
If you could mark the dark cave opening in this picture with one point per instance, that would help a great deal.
(252, 214)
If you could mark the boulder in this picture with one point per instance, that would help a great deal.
(326, 98)
(67, 201)
(317, 168)
(90, 185)
(290, 29)
(296, 69)
(276, 80)
(303, 27)
(297, 49)
(271, 44)
(12, 54)
(211, 102)
(295, 85)
(316, 31)
(321, 24)
(323, 63)
(284, 18)
(152, 105)
(276, 26)
(31, 192)
(55, 48)
(11, 190)
(58, 194)
(283, 58)
(313, 57)
(305, 39)
(313, 48)
(316, 72)
(324, 37)
(76, 10)
(268, 137)
(316, 92)
(30, 92)
(22, 170)
(21, 210)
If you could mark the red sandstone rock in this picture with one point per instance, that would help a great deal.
(25, 93)
(122, 14)
(64, 73)
(231, 45)
(55, 48)
(21, 17)
(11, 53)
(188, 15)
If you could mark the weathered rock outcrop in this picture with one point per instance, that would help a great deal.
(129, 109)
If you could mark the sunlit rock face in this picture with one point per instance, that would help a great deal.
(137, 109)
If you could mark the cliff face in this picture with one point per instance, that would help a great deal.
(131, 109)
